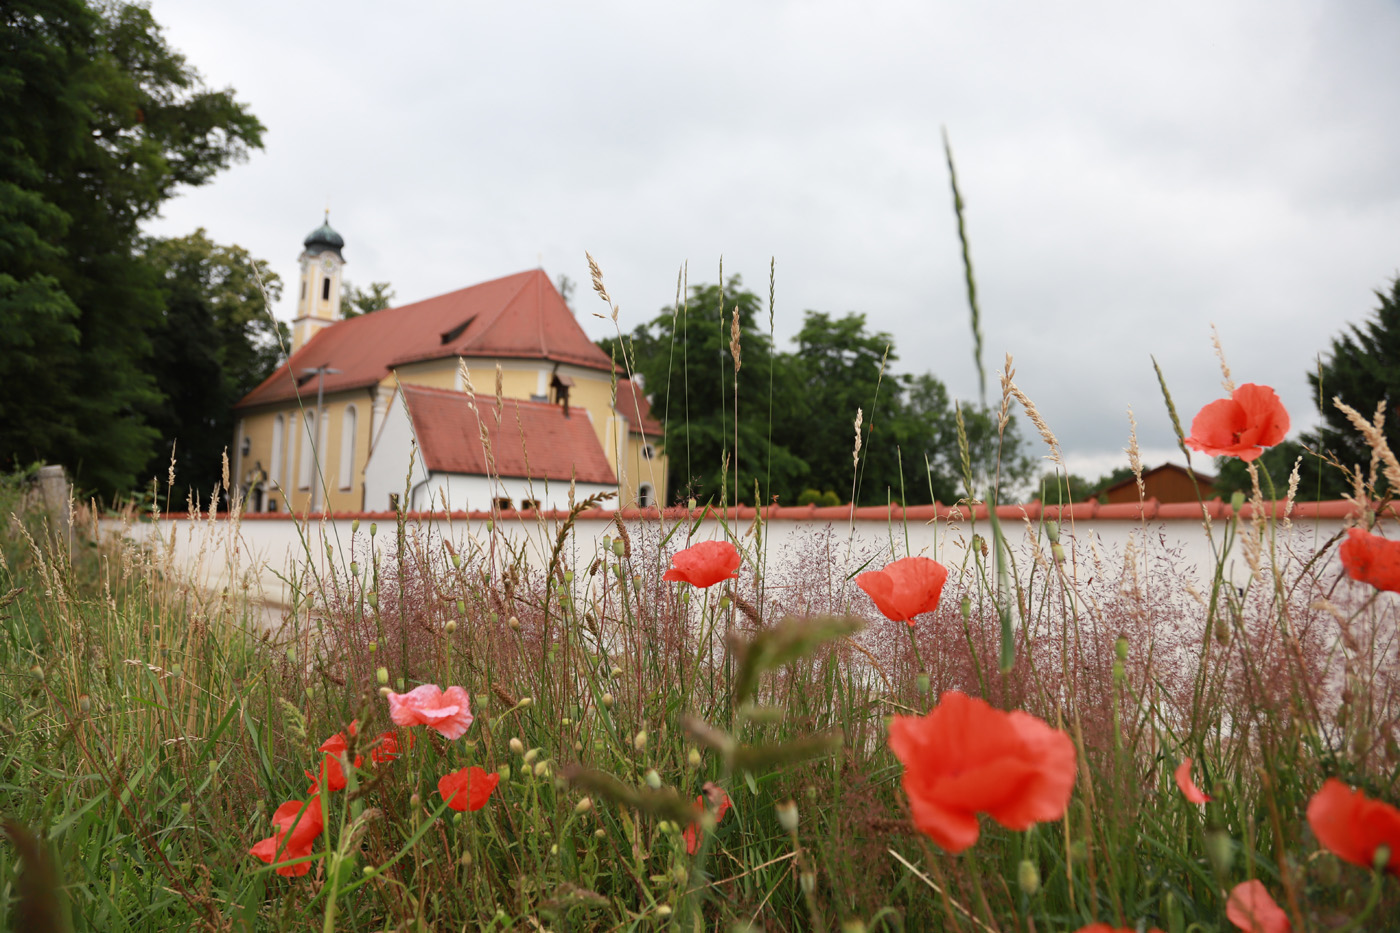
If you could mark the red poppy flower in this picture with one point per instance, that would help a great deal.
(1252, 909)
(1105, 928)
(693, 833)
(1240, 426)
(333, 750)
(1353, 826)
(705, 564)
(966, 758)
(1189, 790)
(386, 747)
(297, 825)
(905, 588)
(448, 711)
(1372, 559)
(468, 789)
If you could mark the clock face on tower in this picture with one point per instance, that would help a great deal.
(327, 264)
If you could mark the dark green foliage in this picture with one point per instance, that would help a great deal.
(356, 301)
(840, 367)
(215, 342)
(100, 122)
(1363, 369)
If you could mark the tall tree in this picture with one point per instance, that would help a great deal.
(100, 122)
(687, 365)
(355, 301)
(216, 340)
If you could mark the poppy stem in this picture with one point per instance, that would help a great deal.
(914, 644)
(1377, 882)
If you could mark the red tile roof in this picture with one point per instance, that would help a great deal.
(520, 316)
(533, 439)
(632, 404)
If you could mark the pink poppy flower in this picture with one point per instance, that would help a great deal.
(1189, 790)
(448, 711)
(1252, 909)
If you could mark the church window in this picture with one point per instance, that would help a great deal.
(303, 289)
(326, 289)
(306, 451)
(644, 496)
(279, 431)
(347, 448)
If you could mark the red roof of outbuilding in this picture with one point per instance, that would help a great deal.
(632, 404)
(520, 316)
(531, 439)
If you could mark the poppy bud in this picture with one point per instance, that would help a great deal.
(368, 871)
(690, 503)
(617, 672)
(461, 607)
(1381, 858)
(1236, 501)
(504, 772)
(354, 568)
(584, 805)
(373, 647)
(1057, 551)
(373, 527)
(853, 925)
(921, 682)
(85, 703)
(693, 757)
(354, 525)
(456, 819)
(639, 741)
(514, 624)
(415, 801)
(541, 768)
(526, 702)
(1222, 632)
(787, 816)
(372, 598)
(1028, 877)
(1221, 849)
(653, 779)
(401, 685)
(965, 607)
(680, 874)
(517, 747)
(184, 809)
(568, 576)
(1120, 648)
(724, 602)
(618, 548)
(598, 833)
(809, 882)
(384, 692)
(607, 701)
(663, 911)
(450, 627)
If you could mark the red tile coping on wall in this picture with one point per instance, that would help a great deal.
(1151, 510)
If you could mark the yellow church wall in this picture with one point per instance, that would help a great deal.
(260, 426)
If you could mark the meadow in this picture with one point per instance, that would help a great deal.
(447, 738)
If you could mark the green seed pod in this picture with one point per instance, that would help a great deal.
(450, 627)
(461, 607)
(1236, 501)
(184, 809)
(514, 624)
(456, 561)
(653, 779)
(639, 741)
(568, 577)
(618, 548)
(787, 815)
(1120, 648)
(354, 525)
(372, 597)
(1221, 850)
(607, 701)
(354, 568)
(584, 805)
(599, 833)
(373, 527)
(1381, 858)
(692, 757)
(921, 682)
(1028, 877)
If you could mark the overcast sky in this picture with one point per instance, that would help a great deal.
(1132, 173)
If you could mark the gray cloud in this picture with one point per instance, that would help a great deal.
(1132, 174)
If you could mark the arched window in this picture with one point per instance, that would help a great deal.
(307, 455)
(326, 289)
(347, 448)
(279, 434)
(645, 496)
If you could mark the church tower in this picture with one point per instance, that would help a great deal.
(318, 302)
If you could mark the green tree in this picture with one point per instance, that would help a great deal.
(100, 123)
(356, 301)
(216, 340)
(687, 367)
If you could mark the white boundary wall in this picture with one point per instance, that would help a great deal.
(261, 555)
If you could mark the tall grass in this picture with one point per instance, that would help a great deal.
(148, 730)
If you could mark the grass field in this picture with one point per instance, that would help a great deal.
(652, 754)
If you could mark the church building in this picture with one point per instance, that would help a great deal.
(487, 397)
